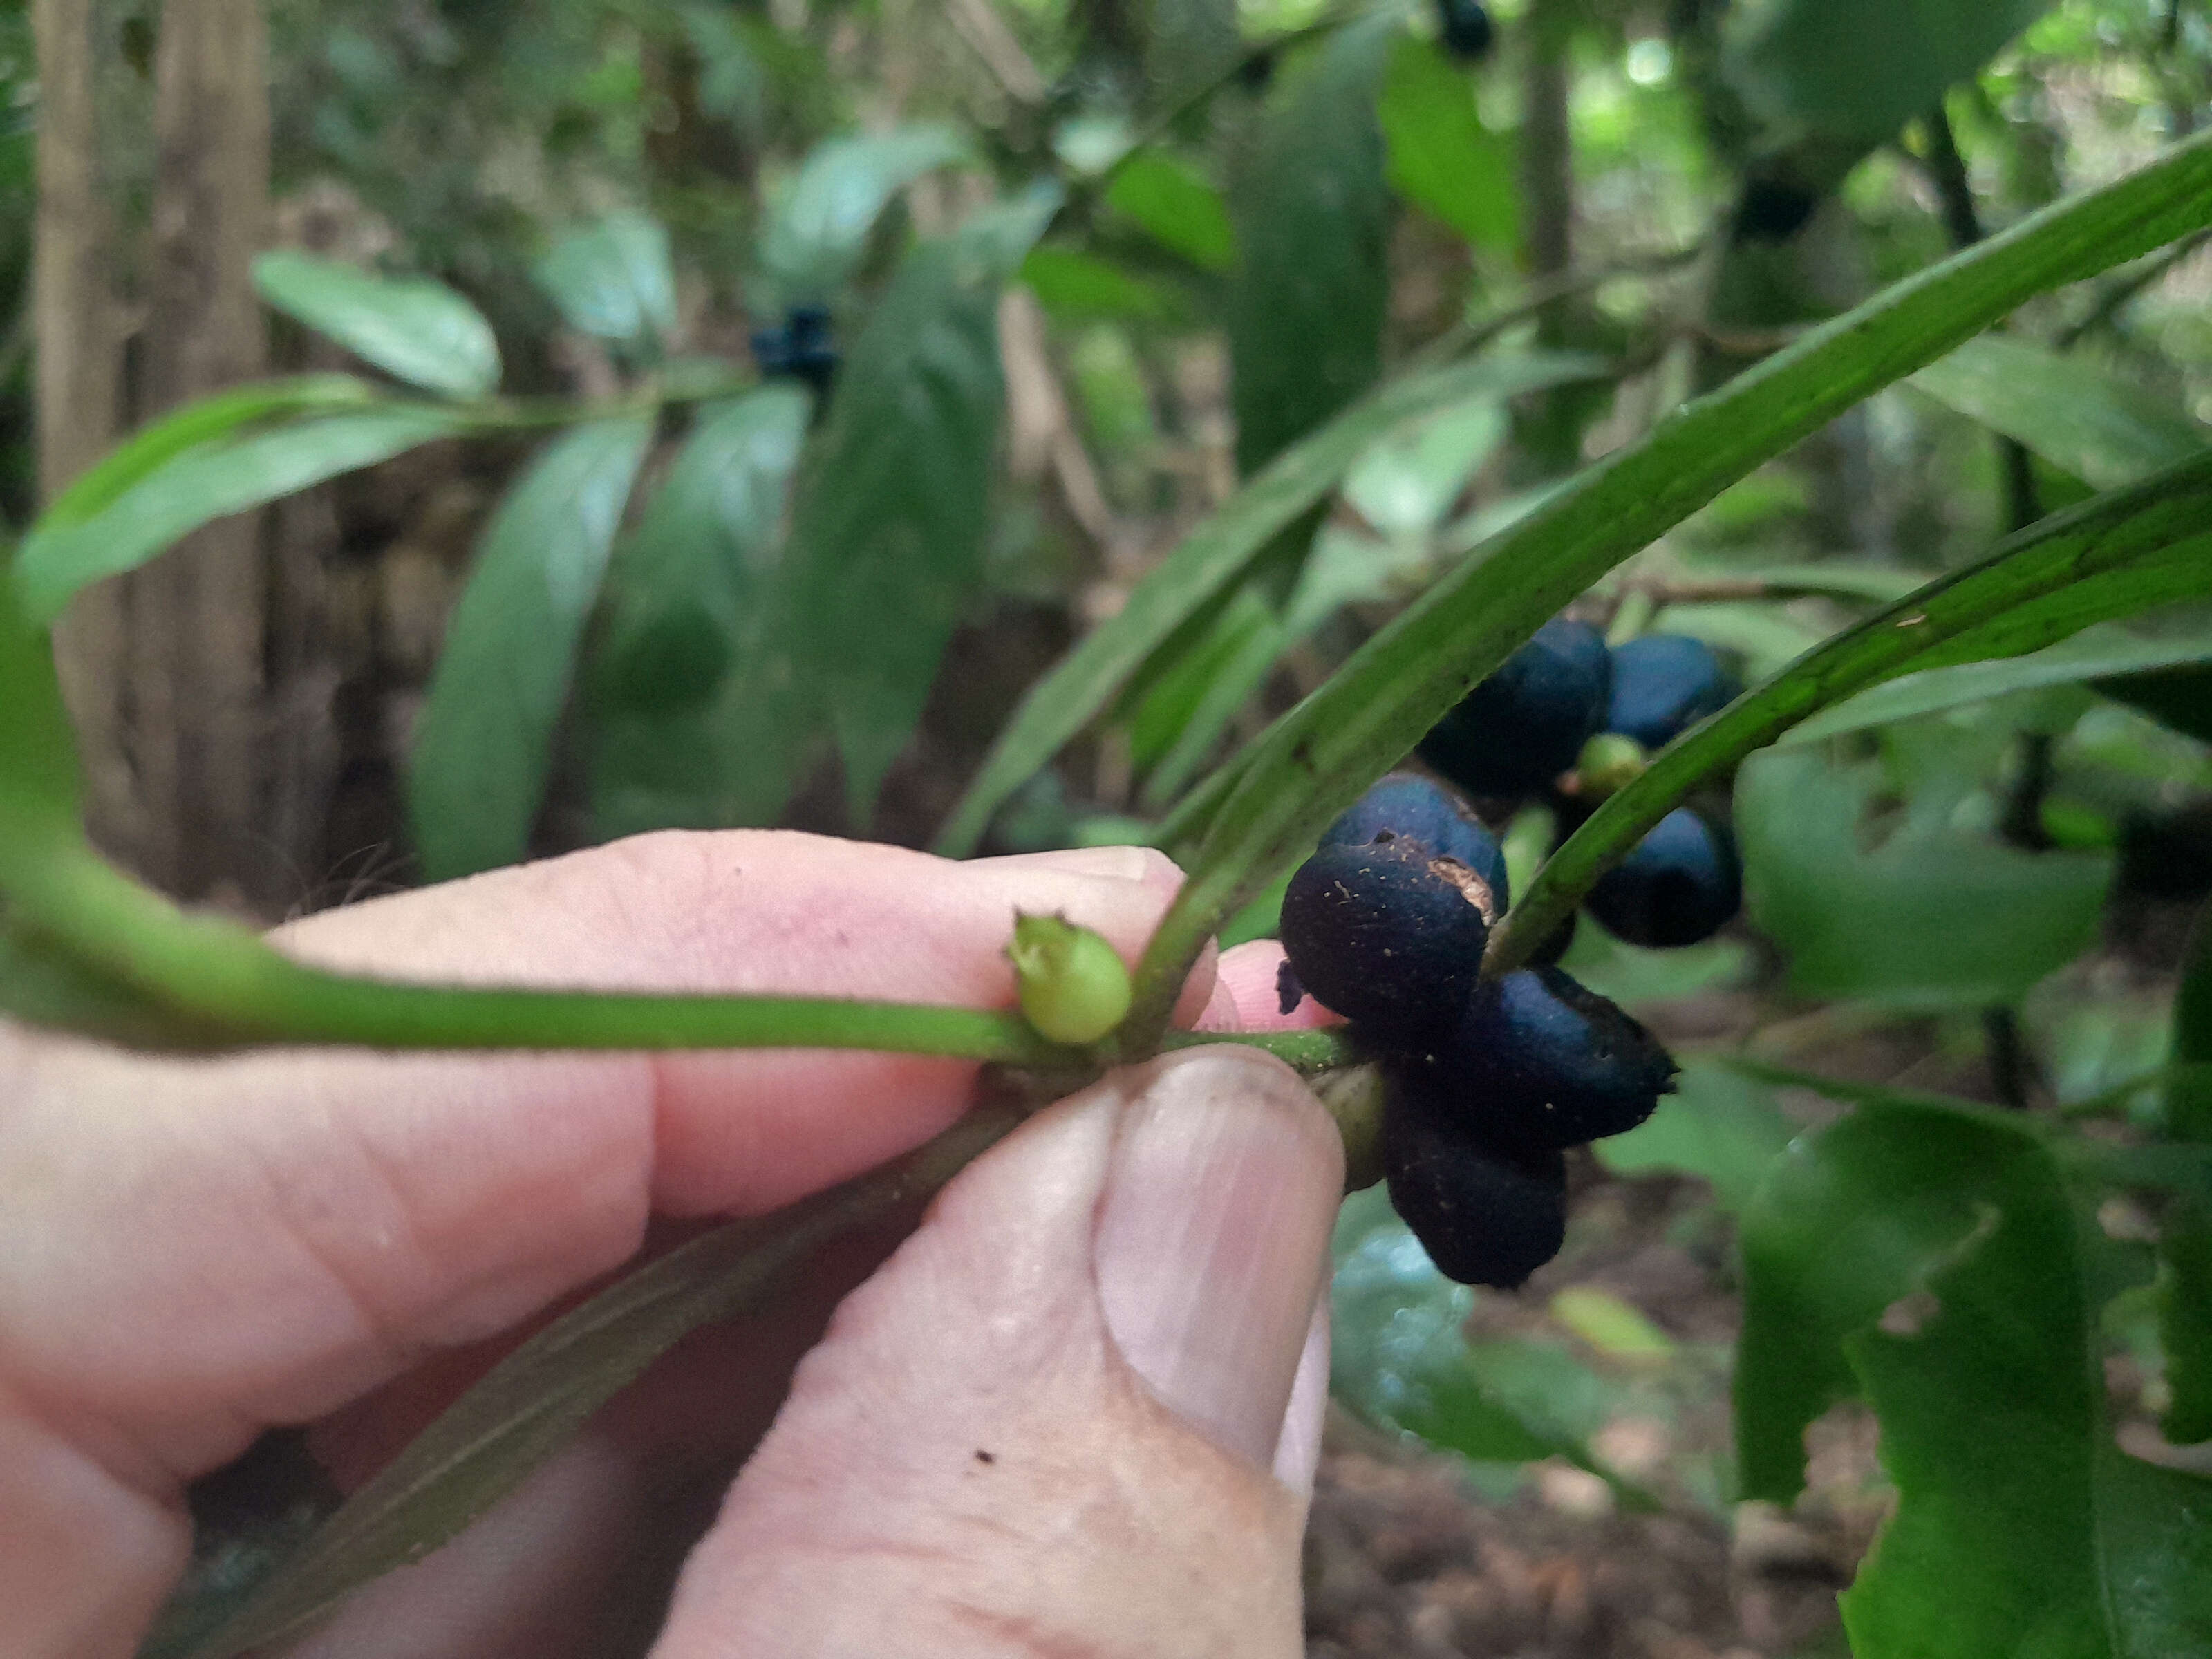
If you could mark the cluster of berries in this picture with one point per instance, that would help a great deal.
(801, 349)
(1486, 1083)
(1564, 706)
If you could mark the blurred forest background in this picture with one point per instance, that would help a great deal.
(1264, 213)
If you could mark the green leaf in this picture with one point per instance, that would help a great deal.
(1175, 207)
(1315, 760)
(40, 787)
(1864, 71)
(1076, 287)
(818, 223)
(1930, 917)
(614, 280)
(1188, 43)
(1399, 1358)
(1719, 1125)
(1306, 302)
(416, 329)
(212, 478)
(2078, 661)
(2184, 1319)
(2103, 430)
(698, 718)
(1442, 158)
(527, 1407)
(2020, 1527)
(1405, 484)
(1212, 558)
(1849, 1221)
(483, 747)
(893, 511)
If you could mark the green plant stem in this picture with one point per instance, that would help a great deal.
(225, 987)
(2103, 534)
(1307, 1052)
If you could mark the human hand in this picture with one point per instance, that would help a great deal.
(1076, 1412)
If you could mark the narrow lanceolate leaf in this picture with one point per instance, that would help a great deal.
(410, 326)
(1212, 559)
(1312, 213)
(2118, 554)
(477, 775)
(316, 433)
(1442, 158)
(39, 782)
(2105, 430)
(2020, 1526)
(894, 506)
(697, 716)
(1315, 760)
(818, 224)
(489, 1441)
(614, 280)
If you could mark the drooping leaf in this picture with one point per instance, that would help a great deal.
(412, 327)
(2103, 430)
(1211, 558)
(2079, 661)
(818, 224)
(484, 747)
(1306, 301)
(125, 512)
(1315, 760)
(1863, 70)
(1442, 158)
(1719, 1125)
(614, 280)
(1931, 917)
(699, 721)
(1177, 208)
(893, 509)
(2020, 1526)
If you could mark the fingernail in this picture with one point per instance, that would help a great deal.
(1212, 1238)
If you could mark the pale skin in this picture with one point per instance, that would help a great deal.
(1075, 1412)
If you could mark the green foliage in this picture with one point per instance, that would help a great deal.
(817, 227)
(614, 280)
(1306, 298)
(1720, 1125)
(1176, 208)
(476, 778)
(1440, 157)
(420, 330)
(2105, 430)
(1862, 71)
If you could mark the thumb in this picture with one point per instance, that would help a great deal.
(1050, 1422)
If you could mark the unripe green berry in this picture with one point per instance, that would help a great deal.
(1074, 986)
(1608, 764)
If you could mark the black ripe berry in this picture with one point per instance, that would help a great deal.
(801, 349)
(1537, 1059)
(1683, 883)
(1466, 29)
(1485, 1215)
(1773, 209)
(1407, 806)
(1520, 729)
(1663, 684)
(1388, 935)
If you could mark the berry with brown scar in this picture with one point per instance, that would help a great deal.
(1389, 935)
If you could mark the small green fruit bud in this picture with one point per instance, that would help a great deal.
(1609, 763)
(1074, 986)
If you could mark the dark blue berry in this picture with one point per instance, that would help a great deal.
(1538, 1060)
(1773, 209)
(1466, 29)
(1408, 806)
(1486, 1215)
(1683, 883)
(801, 349)
(1663, 684)
(1520, 729)
(1388, 935)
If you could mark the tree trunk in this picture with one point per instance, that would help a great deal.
(199, 614)
(77, 329)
